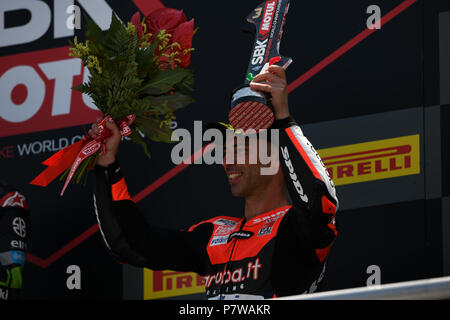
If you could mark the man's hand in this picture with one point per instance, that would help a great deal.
(273, 81)
(112, 143)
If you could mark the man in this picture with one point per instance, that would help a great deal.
(14, 233)
(276, 249)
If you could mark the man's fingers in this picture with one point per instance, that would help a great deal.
(112, 126)
(261, 87)
(94, 128)
(267, 76)
(93, 132)
(279, 71)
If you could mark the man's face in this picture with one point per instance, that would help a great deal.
(244, 169)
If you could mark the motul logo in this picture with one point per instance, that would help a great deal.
(373, 160)
(36, 92)
(269, 12)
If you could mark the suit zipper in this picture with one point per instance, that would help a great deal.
(229, 260)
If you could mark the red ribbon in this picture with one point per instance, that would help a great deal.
(75, 154)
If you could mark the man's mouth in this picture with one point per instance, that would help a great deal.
(234, 177)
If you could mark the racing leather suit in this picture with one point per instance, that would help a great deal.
(277, 253)
(14, 233)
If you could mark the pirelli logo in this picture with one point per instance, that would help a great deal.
(375, 160)
(165, 284)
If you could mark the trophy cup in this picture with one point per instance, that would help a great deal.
(251, 109)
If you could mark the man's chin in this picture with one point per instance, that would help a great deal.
(237, 192)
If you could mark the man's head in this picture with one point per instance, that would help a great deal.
(251, 163)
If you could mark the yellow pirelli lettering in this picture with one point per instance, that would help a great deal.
(375, 160)
(164, 284)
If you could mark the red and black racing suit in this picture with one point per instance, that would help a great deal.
(277, 253)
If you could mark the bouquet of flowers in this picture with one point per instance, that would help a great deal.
(139, 77)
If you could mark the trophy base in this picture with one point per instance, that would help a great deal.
(250, 111)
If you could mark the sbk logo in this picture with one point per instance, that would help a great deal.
(36, 94)
(259, 52)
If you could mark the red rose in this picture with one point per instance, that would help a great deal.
(174, 22)
(164, 19)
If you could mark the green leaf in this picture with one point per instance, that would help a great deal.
(81, 88)
(93, 32)
(186, 85)
(115, 26)
(163, 81)
(153, 130)
(144, 59)
(64, 174)
(172, 101)
(120, 44)
(136, 138)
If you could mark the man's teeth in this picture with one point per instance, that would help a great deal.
(234, 175)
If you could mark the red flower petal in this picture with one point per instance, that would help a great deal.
(183, 35)
(148, 6)
(136, 20)
(164, 19)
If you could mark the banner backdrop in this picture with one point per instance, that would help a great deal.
(368, 99)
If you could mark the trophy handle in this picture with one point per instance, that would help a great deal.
(256, 15)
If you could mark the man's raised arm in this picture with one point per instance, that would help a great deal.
(306, 177)
(126, 232)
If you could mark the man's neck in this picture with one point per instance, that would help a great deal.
(264, 202)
